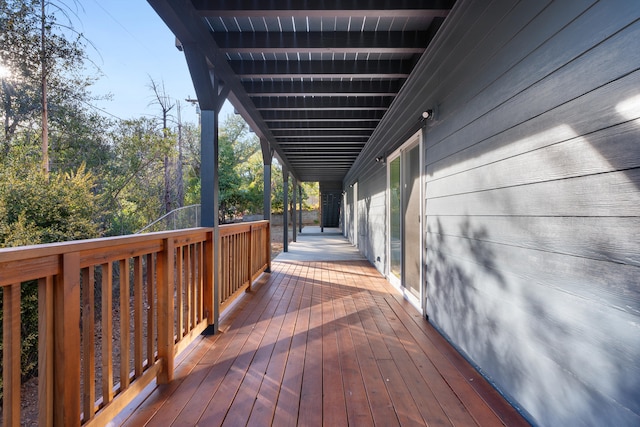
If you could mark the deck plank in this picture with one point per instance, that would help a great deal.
(323, 343)
(288, 404)
(334, 409)
(264, 406)
(358, 409)
(311, 393)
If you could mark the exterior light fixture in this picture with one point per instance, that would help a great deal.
(380, 159)
(427, 114)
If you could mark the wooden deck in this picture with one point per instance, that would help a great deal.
(323, 343)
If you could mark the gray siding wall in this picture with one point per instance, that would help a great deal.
(348, 212)
(533, 205)
(372, 214)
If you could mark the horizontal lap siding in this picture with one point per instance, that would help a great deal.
(372, 215)
(349, 209)
(533, 206)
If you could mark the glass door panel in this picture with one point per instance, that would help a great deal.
(411, 220)
(395, 219)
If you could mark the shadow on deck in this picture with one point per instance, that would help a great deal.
(321, 342)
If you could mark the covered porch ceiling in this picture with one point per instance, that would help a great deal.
(313, 78)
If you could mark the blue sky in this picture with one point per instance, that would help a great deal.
(130, 43)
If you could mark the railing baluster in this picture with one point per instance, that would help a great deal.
(88, 344)
(138, 298)
(107, 332)
(187, 287)
(151, 286)
(179, 291)
(45, 351)
(11, 355)
(192, 285)
(124, 324)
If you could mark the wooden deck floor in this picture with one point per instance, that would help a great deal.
(323, 343)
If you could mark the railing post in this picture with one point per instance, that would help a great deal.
(208, 282)
(250, 261)
(268, 248)
(67, 343)
(165, 310)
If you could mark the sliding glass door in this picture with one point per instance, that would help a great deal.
(395, 220)
(405, 232)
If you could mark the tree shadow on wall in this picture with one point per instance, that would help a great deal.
(524, 332)
(457, 289)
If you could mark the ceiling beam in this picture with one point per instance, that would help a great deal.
(322, 115)
(348, 140)
(324, 88)
(360, 69)
(411, 42)
(337, 8)
(317, 150)
(322, 129)
(321, 103)
(288, 133)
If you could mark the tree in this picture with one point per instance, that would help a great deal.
(166, 104)
(45, 57)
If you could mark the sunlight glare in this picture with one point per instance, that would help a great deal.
(4, 71)
(630, 107)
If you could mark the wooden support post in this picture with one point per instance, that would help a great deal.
(300, 207)
(211, 95)
(165, 311)
(267, 156)
(293, 211)
(67, 343)
(285, 210)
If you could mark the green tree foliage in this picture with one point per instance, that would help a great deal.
(20, 53)
(39, 208)
(236, 146)
(133, 187)
(35, 208)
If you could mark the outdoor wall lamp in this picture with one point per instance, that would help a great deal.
(427, 114)
(381, 159)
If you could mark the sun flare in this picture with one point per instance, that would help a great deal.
(4, 71)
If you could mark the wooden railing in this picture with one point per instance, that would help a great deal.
(245, 252)
(113, 314)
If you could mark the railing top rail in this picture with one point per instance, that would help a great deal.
(36, 251)
(238, 224)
